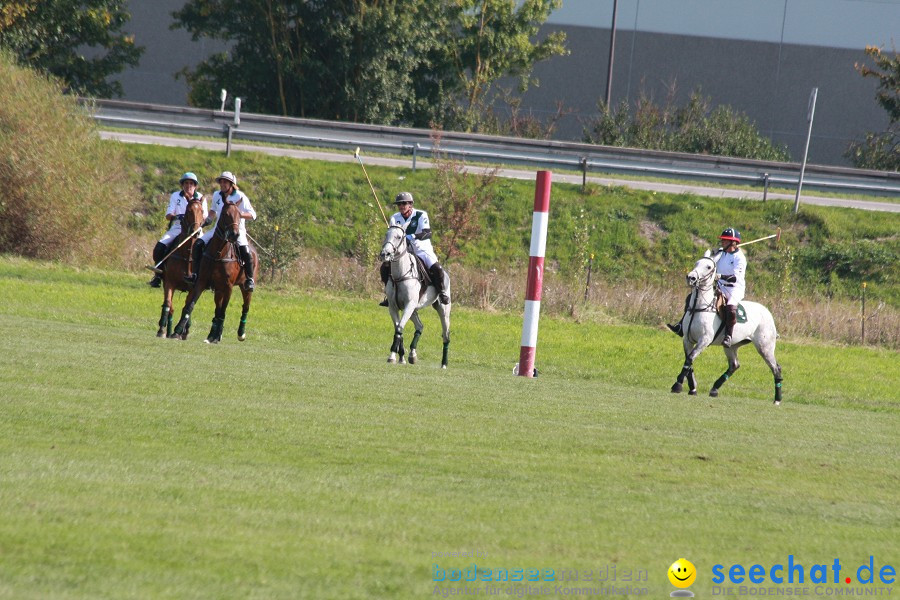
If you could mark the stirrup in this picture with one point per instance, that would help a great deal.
(384, 302)
(155, 282)
(727, 341)
(249, 284)
(192, 278)
(676, 328)
(444, 298)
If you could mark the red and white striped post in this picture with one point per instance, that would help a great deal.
(535, 273)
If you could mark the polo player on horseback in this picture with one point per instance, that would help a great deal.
(228, 192)
(731, 267)
(175, 214)
(418, 233)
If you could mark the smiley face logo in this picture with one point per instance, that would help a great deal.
(682, 573)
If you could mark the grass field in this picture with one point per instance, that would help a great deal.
(299, 465)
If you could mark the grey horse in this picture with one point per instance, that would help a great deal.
(702, 327)
(404, 298)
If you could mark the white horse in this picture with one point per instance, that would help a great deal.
(702, 327)
(404, 298)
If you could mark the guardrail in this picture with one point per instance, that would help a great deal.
(584, 158)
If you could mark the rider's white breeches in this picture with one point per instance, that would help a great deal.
(172, 233)
(428, 257)
(733, 295)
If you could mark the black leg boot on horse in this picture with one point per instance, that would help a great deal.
(437, 278)
(196, 258)
(159, 252)
(244, 251)
(730, 321)
(676, 327)
(385, 272)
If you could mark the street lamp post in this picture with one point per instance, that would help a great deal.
(612, 53)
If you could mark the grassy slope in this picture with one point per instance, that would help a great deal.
(298, 464)
(634, 235)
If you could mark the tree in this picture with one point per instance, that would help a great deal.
(56, 36)
(485, 40)
(376, 61)
(881, 150)
(342, 59)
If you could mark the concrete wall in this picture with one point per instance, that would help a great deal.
(769, 82)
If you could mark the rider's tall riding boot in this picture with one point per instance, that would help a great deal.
(196, 257)
(437, 278)
(248, 267)
(730, 321)
(676, 327)
(385, 272)
(159, 252)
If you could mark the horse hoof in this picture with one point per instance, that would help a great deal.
(676, 388)
(778, 403)
(692, 393)
(412, 359)
(443, 366)
(241, 338)
(160, 334)
(392, 361)
(714, 393)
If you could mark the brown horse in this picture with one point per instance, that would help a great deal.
(221, 269)
(178, 265)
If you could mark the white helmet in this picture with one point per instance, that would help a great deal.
(227, 176)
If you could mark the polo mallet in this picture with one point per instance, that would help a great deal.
(776, 235)
(356, 154)
(155, 268)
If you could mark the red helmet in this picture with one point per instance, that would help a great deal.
(731, 234)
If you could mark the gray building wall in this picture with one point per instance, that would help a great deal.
(762, 57)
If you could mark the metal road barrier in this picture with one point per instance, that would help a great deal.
(583, 158)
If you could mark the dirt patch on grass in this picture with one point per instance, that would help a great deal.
(652, 231)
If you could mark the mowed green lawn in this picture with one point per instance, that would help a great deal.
(298, 464)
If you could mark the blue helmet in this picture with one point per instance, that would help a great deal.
(189, 177)
(731, 234)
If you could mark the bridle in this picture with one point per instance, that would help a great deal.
(699, 286)
(398, 251)
(220, 226)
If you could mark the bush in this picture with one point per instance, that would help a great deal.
(62, 187)
(694, 128)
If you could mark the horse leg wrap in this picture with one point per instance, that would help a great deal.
(415, 340)
(692, 382)
(721, 380)
(684, 371)
(243, 326)
(164, 316)
(446, 352)
(778, 381)
(215, 332)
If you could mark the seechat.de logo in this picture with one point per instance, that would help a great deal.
(793, 572)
